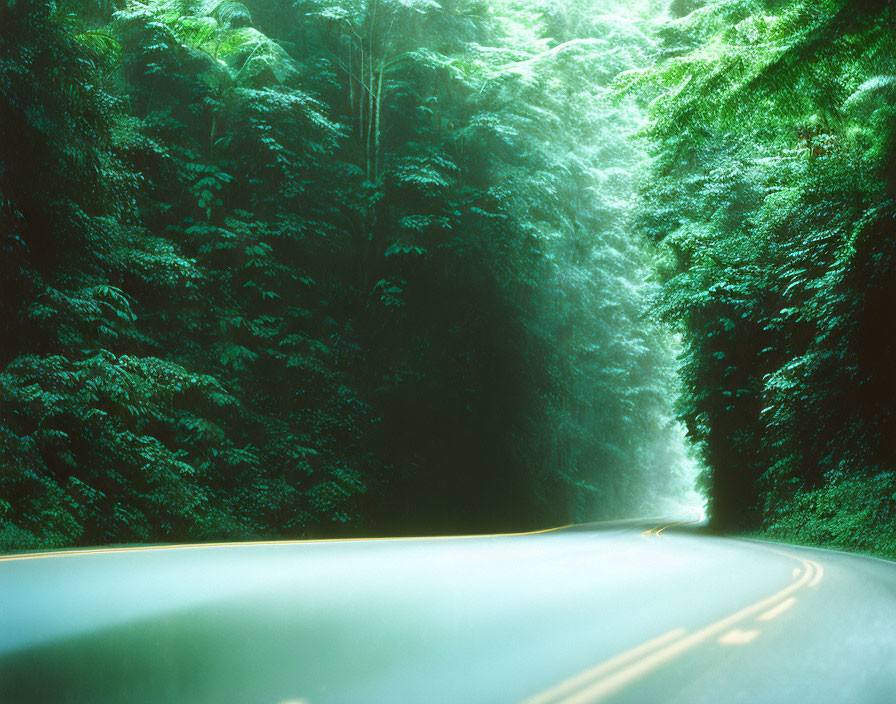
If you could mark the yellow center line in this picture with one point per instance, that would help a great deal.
(738, 637)
(583, 678)
(610, 685)
(672, 525)
(310, 541)
(609, 677)
(819, 573)
(779, 609)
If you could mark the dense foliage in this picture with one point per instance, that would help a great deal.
(772, 190)
(274, 268)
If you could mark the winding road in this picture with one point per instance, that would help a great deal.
(635, 612)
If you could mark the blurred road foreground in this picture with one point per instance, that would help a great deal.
(635, 611)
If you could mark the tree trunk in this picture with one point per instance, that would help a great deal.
(376, 131)
(361, 97)
(351, 78)
(370, 107)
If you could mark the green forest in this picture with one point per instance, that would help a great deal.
(314, 268)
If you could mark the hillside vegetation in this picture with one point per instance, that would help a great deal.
(772, 192)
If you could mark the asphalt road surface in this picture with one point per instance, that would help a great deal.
(627, 612)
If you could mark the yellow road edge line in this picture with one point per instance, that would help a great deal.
(582, 678)
(776, 611)
(619, 679)
(187, 546)
(101, 550)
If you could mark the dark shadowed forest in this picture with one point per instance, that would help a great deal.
(381, 267)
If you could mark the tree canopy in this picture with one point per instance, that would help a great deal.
(772, 193)
(324, 268)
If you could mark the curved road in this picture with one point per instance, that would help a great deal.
(625, 612)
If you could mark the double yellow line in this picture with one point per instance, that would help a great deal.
(658, 530)
(607, 678)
